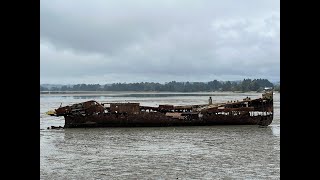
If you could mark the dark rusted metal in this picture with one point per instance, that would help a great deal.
(93, 114)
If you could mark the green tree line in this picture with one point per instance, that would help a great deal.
(244, 86)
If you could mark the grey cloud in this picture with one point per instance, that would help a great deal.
(120, 41)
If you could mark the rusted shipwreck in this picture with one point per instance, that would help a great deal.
(248, 111)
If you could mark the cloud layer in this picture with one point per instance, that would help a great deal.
(160, 41)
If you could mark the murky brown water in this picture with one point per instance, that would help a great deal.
(209, 152)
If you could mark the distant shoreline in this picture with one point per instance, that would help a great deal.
(221, 86)
(94, 93)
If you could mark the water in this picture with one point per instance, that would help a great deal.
(208, 152)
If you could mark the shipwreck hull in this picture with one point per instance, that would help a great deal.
(93, 114)
(160, 120)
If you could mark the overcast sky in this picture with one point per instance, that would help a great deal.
(107, 41)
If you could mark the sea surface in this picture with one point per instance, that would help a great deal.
(202, 152)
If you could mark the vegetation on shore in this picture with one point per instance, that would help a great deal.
(173, 86)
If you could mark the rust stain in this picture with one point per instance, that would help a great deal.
(93, 114)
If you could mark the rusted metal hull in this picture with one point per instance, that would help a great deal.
(157, 119)
(93, 114)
